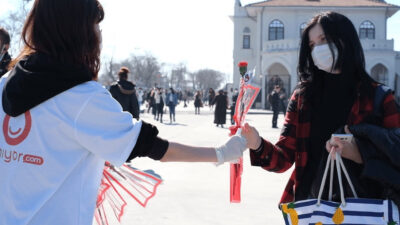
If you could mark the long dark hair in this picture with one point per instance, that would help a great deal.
(65, 30)
(339, 31)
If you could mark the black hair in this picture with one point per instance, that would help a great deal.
(339, 31)
(4, 36)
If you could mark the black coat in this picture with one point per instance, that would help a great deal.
(124, 93)
(221, 104)
(4, 64)
(380, 150)
(379, 175)
(274, 100)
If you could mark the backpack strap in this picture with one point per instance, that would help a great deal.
(381, 92)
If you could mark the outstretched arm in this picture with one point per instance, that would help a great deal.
(184, 153)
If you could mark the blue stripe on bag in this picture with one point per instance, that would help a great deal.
(365, 201)
(286, 220)
(314, 202)
(321, 213)
(332, 204)
(358, 213)
(305, 216)
(348, 213)
(308, 203)
(390, 211)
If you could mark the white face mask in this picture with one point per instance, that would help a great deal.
(322, 57)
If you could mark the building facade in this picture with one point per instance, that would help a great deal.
(267, 36)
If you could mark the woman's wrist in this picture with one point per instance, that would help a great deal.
(260, 146)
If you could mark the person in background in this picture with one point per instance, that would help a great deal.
(211, 96)
(159, 100)
(283, 100)
(71, 124)
(275, 101)
(197, 102)
(124, 92)
(221, 104)
(140, 96)
(234, 99)
(5, 58)
(172, 101)
(185, 98)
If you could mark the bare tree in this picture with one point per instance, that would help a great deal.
(177, 77)
(14, 21)
(208, 78)
(109, 73)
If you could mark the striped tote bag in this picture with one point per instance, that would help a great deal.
(352, 211)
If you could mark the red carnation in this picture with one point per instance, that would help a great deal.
(243, 64)
(242, 67)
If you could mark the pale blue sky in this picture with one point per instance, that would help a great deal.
(198, 33)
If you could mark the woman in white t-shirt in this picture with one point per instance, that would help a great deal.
(60, 125)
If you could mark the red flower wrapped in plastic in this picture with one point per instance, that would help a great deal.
(242, 67)
(247, 95)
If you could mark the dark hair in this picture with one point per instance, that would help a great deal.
(340, 31)
(4, 36)
(123, 73)
(65, 30)
(172, 90)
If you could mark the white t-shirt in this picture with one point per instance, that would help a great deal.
(52, 157)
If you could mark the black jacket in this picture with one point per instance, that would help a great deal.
(124, 92)
(380, 151)
(4, 64)
(274, 100)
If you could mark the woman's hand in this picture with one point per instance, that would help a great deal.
(348, 150)
(252, 136)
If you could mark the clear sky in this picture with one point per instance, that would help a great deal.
(197, 33)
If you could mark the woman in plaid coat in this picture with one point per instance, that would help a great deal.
(334, 92)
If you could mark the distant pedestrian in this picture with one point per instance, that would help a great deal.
(172, 101)
(160, 99)
(124, 92)
(275, 101)
(221, 104)
(140, 96)
(234, 99)
(283, 100)
(211, 96)
(197, 102)
(151, 101)
(5, 58)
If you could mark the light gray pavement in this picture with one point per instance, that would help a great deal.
(198, 193)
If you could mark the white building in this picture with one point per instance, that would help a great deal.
(267, 36)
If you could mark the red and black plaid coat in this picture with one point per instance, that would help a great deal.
(295, 137)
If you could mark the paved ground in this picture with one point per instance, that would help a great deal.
(198, 193)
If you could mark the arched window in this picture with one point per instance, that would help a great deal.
(246, 38)
(302, 27)
(380, 73)
(276, 30)
(367, 30)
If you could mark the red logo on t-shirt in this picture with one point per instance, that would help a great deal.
(15, 135)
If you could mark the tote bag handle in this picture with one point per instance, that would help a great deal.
(339, 164)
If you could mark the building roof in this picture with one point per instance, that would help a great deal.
(324, 3)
